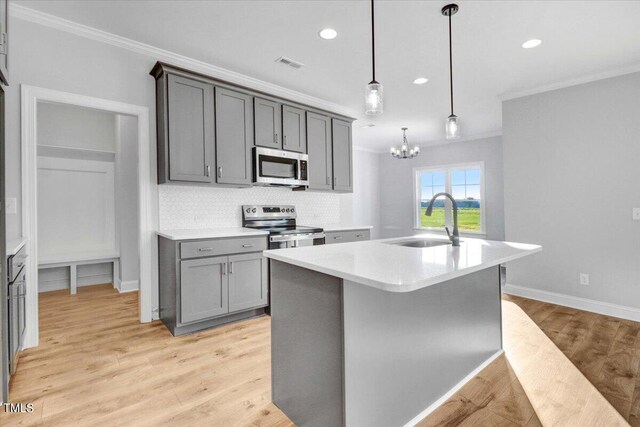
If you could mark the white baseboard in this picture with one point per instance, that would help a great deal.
(422, 415)
(127, 285)
(606, 308)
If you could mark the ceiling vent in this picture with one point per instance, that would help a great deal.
(290, 62)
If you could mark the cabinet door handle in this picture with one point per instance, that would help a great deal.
(205, 249)
(337, 237)
(359, 235)
(3, 43)
(224, 269)
(335, 181)
(230, 267)
(219, 171)
(284, 140)
(208, 172)
(247, 246)
(328, 181)
(275, 138)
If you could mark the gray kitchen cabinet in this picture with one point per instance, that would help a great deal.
(4, 42)
(248, 281)
(268, 123)
(210, 282)
(190, 130)
(320, 152)
(294, 133)
(346, 236)
(203, 291)
(234, 137)
(342, 156)
(206, 129)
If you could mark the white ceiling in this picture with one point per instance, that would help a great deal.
(580, 38)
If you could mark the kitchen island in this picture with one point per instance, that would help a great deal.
(378, 333)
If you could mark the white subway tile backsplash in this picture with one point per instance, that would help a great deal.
(186, 207)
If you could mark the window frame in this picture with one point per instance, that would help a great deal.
(448, 169)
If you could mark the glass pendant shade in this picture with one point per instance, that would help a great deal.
(373, 99)
(453, 127)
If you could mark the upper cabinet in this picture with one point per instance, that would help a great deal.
(4, 42)
(234, 137)
(342, 156)
(191, 130)
(207, 128)
(268, 123)
(320, 152)
(294, 132)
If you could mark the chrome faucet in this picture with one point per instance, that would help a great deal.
(455, 238)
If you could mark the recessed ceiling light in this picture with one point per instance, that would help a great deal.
(328, 34)
(530, 44)
(420, 81)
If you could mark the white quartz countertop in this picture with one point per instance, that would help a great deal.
(210, 233)
(402, 269)
(14, 245)
(344, 227)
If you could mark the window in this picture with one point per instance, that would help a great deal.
(465, 183)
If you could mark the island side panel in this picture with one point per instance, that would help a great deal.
(403, 351)
(306, 345)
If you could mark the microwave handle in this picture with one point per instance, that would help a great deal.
(219, 171)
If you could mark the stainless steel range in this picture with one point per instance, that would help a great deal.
(280, 222)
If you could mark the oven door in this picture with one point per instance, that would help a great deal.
(295, 240)
(275, 167)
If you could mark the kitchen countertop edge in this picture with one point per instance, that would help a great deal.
(210, 233)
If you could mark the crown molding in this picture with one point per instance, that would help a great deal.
(158, 54)
(434, 143)
(568, 83)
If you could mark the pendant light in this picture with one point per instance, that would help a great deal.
(403, 151)
(452, 125)
(373, 96)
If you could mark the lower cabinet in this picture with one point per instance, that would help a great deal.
(247, 281)
(203, 290)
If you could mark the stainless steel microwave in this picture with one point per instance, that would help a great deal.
(277, 167)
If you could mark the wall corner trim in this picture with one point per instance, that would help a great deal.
(600, 307)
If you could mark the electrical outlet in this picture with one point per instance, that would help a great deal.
(584, 279)
(12, 205)
(636, 214)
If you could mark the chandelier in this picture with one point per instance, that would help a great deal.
(403, 151)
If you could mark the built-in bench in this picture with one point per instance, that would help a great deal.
(74, 260)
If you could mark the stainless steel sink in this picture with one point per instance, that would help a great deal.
(420, 243)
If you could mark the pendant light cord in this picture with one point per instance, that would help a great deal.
(451, 63)
(373, 44)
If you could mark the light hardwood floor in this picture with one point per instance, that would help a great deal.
(96, 365)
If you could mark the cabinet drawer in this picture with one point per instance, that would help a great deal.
(237, 245)
(346, 236)
(360, 235)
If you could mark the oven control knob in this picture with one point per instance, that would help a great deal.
(293, 210)
(253, 210)
(288, 210)
(248, 210)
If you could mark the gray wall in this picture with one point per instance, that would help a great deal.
(363, 206)
(78, 127)
(52, 59)
(572, 176)
(397, 187)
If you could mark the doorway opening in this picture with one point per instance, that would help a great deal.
(87, 188)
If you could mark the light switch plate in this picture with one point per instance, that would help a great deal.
(636, 214)
(12, 205)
